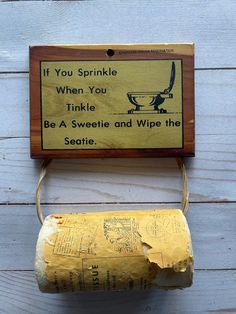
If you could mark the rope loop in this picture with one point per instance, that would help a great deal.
(180, 163)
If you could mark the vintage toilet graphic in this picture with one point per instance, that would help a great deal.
(149, 102)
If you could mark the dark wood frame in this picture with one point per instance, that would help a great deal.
(122, 52)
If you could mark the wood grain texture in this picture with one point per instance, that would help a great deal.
(215, 143)
(19, 294)
(211, 176)
(212, 227)
(210, 25)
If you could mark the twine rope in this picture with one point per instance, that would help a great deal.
(180, 163)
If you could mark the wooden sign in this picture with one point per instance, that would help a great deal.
(112, 100)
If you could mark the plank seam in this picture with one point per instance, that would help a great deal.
(196, 69)
(118, 203)
(195, 269)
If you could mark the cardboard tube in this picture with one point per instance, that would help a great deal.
(114, 251)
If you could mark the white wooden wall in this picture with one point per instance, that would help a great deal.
(104, 184)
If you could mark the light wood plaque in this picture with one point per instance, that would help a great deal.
(112, 100)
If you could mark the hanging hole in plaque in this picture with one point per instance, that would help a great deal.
(110, 52)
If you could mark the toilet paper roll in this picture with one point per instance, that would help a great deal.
(114, 251)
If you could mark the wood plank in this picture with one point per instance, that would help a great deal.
(211, 110)
(210, 26)
(14, 105)
(212, 227)
(211, 176)
(214, 160)
(212, 292)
